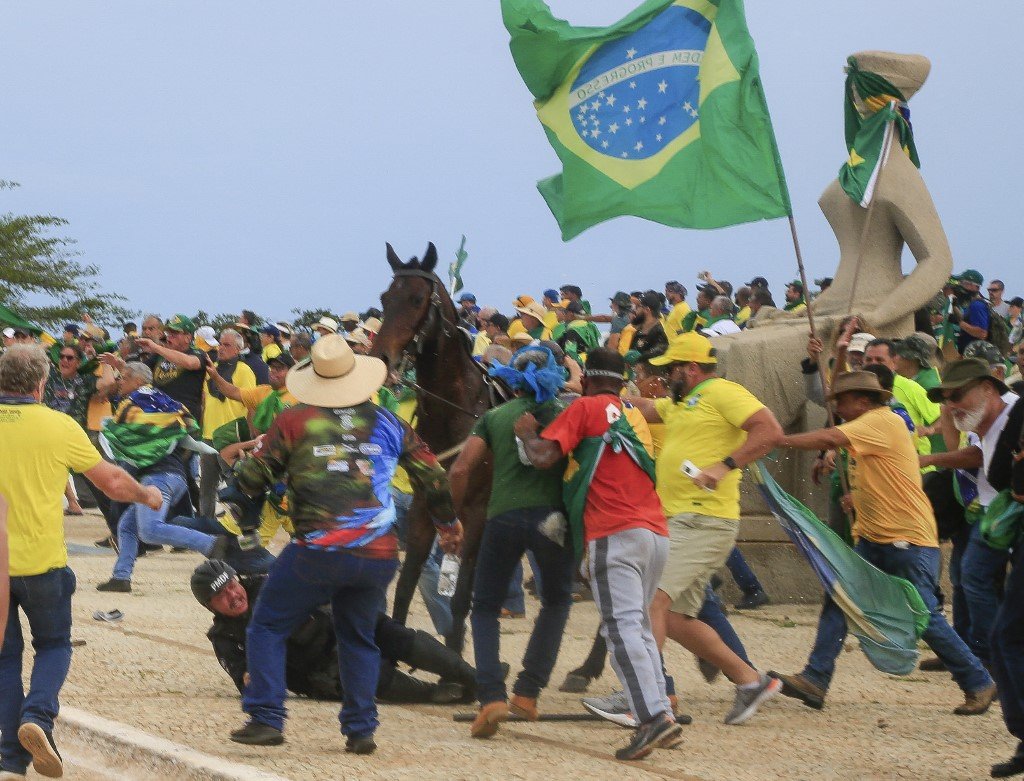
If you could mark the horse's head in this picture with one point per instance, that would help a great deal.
(414, 305)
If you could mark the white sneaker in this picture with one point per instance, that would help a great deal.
(614, 708)
(749, 700)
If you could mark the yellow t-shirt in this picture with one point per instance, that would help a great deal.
(886, 482)
(217, 412)
(743, 315)
(480, 344)
(406, 410)
(271, 351)
(38, 448)
(626, 339)
(550, 320)
(253, 397)
(703, 428)
(674, 320)
(98, 408)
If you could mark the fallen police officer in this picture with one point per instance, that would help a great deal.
(312, 668)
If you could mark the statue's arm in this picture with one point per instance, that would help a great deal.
(917, 222)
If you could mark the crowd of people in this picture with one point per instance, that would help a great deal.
(621, 448)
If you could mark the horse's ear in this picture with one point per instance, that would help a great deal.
(393, 260)
(429, 258)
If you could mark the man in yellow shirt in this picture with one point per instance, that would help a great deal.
(676, 295)
(38, 448)
(894, 529)
(713, 428)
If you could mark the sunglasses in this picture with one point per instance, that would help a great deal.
(958, 395)
(65, 357)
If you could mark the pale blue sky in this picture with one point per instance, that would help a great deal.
(252, 154)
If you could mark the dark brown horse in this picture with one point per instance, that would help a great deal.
(452, 392)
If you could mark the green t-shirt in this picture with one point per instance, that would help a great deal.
(516, 486)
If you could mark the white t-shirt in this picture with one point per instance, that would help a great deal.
(987, 443)
(721, 328)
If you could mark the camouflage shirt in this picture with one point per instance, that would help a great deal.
(339, 465)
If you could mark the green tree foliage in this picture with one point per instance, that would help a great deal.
(42, 279)
(304, 318)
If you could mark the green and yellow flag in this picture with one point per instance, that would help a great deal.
(660, 115)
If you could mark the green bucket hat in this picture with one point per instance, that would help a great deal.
(915, 348)
(181, 323)
(963, 373)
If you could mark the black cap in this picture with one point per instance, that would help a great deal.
(651, 301)
(209, 578)
(574, 289)
(758, 282)
(284, 359)
(1016, 301)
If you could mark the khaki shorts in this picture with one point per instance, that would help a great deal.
(698, 547)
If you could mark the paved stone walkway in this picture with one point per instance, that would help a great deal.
(155, 671)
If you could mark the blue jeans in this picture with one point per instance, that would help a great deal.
(140, 522)
(301, 580)
(506, 537)
(921, 567)
(1008, 650)
(742, 573)
(961, 614)
(711, 613)
(46, 601)
(439, 607)
(250, 562)
(982, 572)
(515, 597)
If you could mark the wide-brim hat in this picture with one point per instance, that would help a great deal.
(94, 332)
(284, 328)
(373, 325)
(334, 376)
(350, 317)
(859, 381)
(533, 309)
(328, 324)
(961, 373)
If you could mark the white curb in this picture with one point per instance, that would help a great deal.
(141, 750)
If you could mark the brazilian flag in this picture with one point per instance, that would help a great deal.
(884, 612)
(660, 115)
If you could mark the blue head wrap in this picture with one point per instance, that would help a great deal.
(543, 382)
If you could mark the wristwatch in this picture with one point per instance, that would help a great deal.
(730, 462)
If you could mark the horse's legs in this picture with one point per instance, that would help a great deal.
(419, 541)
(579, 679)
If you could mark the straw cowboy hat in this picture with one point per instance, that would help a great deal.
(865, 382)
(334, 376)
(533, 309)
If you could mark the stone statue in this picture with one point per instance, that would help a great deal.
(766, 359)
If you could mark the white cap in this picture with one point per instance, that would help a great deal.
(859, 342)
(9, 333)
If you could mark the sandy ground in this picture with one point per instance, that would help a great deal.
(155, 670)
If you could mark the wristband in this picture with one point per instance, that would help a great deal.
(730, 462)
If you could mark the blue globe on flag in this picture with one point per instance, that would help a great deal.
(637, 94)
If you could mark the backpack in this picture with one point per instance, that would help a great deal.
(998, 331)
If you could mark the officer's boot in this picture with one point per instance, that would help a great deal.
(458, 678)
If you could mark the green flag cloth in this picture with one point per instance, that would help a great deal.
(148, 426)
(10, 319)
(884, 612)
(583, 462)
(455, 268)
(869, 138)
(660, 115)
(267, 410)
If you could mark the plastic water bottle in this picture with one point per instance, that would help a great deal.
(523, 458)
(449, 575)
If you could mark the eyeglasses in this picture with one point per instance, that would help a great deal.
(995, 290)
(64, 357)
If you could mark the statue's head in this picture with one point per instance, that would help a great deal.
(906, 72)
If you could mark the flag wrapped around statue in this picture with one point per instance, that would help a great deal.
(875, 111)
(660, 115)
(148, 426)
(884, 612)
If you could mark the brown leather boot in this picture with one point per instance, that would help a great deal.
(932, 664)
(976, 703)
(524, 707)
(489, 719)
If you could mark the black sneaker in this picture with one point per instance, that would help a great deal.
(116, 584)
(46, 760)
(660, 732)
(364, 745)
(1012, 767)
(106, 542)
(753, 601)
(257, 734)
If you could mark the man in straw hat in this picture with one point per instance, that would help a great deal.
(338, 452)
(895, 530)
